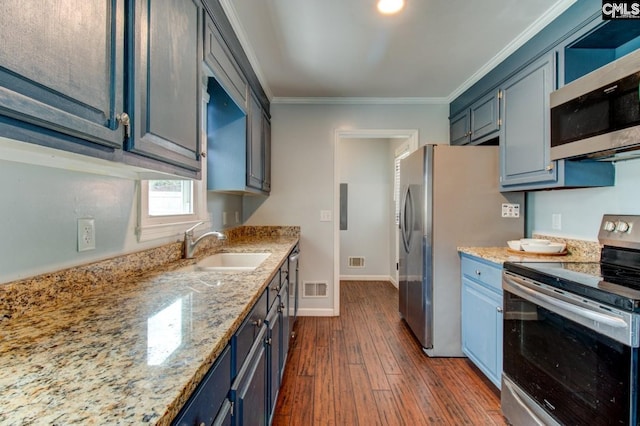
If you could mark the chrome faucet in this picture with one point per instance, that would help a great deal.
(190, 244)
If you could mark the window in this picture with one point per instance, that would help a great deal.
(401, 153)
(170, 197)
(169, 207)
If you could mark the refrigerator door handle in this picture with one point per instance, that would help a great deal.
(406, 219)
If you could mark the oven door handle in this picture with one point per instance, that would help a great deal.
(612, 326)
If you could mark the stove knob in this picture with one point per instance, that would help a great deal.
(622, 226)
(608, 226)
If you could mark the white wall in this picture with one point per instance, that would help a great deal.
(303, 139)
(582, 209)
(38, 214)
(40, 206)
(364, 167)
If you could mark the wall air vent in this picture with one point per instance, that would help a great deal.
(356, 262)
(314, 289)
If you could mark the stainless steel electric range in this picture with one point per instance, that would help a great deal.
(571, 335)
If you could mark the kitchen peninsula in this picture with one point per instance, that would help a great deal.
(125, 340)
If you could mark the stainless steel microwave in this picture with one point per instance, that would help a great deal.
(598, 115)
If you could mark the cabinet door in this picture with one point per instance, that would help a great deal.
(62, 70)
(250, 390)
(266, 142)
(274, 353)
(255, 152)
(459, 131)
(284, 309)
(525, 131)
(482, 328)
(164, 96)
(210, 395)
(218, 57)
(485, 116)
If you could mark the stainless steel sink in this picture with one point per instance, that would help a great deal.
(229, 262)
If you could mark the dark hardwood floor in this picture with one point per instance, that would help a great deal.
(366, 368)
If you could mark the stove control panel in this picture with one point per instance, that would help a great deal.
(619, 231)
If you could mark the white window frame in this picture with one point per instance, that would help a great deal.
(155, 227)
(401, 152)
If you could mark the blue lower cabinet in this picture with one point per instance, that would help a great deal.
(210, 395)
(284, 308)
(274, 353)
(249, 391)
(481, 312)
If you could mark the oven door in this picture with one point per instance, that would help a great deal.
(574, 359)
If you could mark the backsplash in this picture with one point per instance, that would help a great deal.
(582, 248)
(18, 297)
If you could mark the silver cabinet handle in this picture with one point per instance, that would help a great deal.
(478, 273)
(257, 323)
(123, 119)
(499, 309)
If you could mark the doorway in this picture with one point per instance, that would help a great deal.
(370, 216)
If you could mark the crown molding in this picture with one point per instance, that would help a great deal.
(359, 101)
(515, 44)
(232, 16)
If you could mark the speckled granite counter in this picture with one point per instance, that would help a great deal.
(129, 350)
(577, 251)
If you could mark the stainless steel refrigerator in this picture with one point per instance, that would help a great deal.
(450, 198)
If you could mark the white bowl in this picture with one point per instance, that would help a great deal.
(514, 245)
(551, 248)
(534, 241)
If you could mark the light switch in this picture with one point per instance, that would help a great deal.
(325, 215)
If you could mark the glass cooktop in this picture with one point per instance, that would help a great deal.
(612, 285)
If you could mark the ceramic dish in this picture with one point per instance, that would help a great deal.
(551, 248)
(514, 244)
(534, 241)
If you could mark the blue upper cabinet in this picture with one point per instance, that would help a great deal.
(575, 43)
(524, 137)
(112, 79)
(459, 128)
(61, 74)
(477, 124)
(164, 59)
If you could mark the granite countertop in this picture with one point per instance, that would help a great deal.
(128, 353)
(577, 251)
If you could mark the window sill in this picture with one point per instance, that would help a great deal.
(165, 230)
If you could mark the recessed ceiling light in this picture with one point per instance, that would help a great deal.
(389, 7)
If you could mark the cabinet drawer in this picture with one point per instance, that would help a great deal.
(487, 273)
(273, 290)
(248, 331)
(206, 401)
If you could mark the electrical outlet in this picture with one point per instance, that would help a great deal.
(224, 218)
(510, 210)
(325, 215)
(237, 217)
(556, 221)
(86, 234)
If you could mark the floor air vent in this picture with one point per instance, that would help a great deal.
(314, 289)
(356, 262)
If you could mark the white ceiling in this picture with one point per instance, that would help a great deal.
(431, 52)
